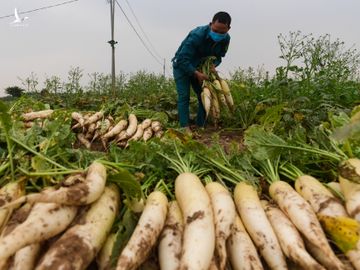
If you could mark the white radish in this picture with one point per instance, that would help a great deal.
(159, 134)
(121, 125)
(82, 139)
(224, 215)
(258, 226)
(227, 93)
(199, 232)
(78, 246)
(148, 133)
(326, 205)
(121, 136)
(138, 134)
(132, 127)
(94, 118)
(169, 247)
(80, 193)
(303, 217)
(146, 233)
(290, 239)
(8, 193)
(45, 220)
(146, 123)
(241, 250)
(322, 201)
(25, 258)
(103, 259)
(156, 126)
(18, 217)
(206, 100)
(36, 115)
(78, 118)
(349, 171)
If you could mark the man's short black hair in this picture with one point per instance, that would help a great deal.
(222, 17)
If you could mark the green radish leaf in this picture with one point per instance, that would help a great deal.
(5, 117)
(126, 229)
(127, 182)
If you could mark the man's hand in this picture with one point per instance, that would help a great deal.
(201, 76)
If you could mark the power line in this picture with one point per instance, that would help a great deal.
(142, 41)
(41, 8)
(142, 30)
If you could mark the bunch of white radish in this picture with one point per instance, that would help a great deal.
(97, 127)
(216, 95)
(35, 117)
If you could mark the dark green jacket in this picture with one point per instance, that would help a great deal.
(196, 47)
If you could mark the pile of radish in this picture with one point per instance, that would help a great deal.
(204, 227)
(97, 127)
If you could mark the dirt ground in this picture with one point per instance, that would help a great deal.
(228, 138)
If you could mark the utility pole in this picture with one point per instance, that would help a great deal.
(164, 68)
(112, 43)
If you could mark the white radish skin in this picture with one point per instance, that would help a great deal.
(18, 217)
(215, 109)
(104, 256)
(82, 139)
(44, 221)
(80, 193)
(92, 127)
(148, 133)
(206, 100)
(93, 118)
(8, 193)
(351, 190)
(90, 131)
(146, 233)
(258, 226)
(170, 239)
(146, 123)
(132, 127)
(37, 115)
(227, 93)
(199, 232)
(78, 246)
(241, 250)
(290, 239)
(121, 125)
(25, 258)
(156, 126)
(224, 216)
(319, 255)
(122, 136)
(138, 134)
(322, 201)
(303, 217)
(78, 118)
(159, 134)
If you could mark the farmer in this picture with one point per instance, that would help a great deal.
(203, 41)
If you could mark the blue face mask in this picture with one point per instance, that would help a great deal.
(216, 36)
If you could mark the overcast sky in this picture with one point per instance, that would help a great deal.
(76, 35)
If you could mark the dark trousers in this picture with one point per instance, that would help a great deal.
(183, 84)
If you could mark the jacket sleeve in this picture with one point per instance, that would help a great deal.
(187, 52)
(224, 50)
